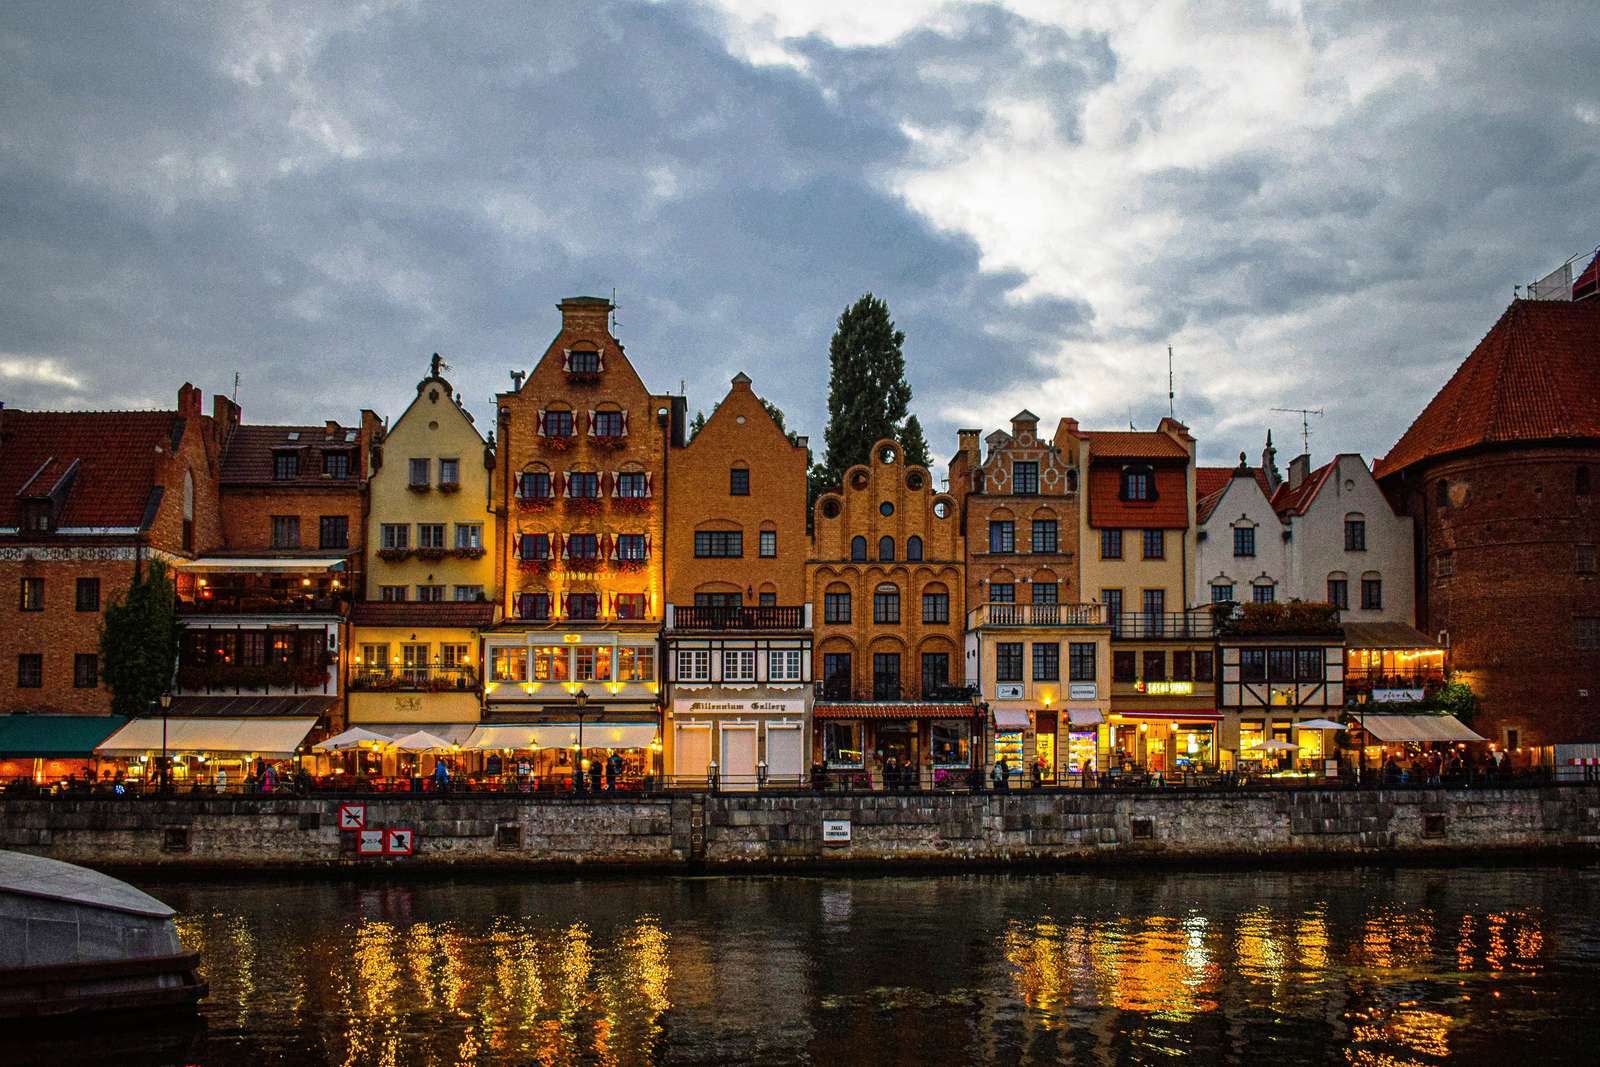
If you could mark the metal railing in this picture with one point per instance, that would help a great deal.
(706, 617)
(421, 679)
(1139, 625)
(994, 614)
(263, 604)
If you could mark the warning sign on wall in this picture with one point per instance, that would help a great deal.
(370, 842)
(352, 816)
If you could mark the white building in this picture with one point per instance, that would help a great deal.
(1241, 549)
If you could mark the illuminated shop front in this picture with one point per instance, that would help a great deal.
(1178, 741)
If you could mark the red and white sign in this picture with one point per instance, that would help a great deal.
(370, 842)
(352, 816)
(399, 842)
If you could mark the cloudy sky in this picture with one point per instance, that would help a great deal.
(1315, 205)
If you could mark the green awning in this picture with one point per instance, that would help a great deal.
(55, 736)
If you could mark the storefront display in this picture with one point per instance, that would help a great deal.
(950, 742)
(841, 744)
(1044, 744)
(1008, 746)
(1195, 746)
(1082, 757)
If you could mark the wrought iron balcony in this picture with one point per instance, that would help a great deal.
(1140, 625)
(993, 614)
(705, 618)
(261, 603)
(414, 679)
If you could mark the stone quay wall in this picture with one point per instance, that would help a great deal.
(732, 831)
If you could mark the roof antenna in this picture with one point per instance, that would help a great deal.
(613, 311)
(1130, 418)
(1305, 424)
(1171, 412)
(235, 387)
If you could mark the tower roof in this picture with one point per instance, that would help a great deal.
(1534, 377)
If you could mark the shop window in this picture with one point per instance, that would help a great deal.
(508, 664)
(1008, 661)
(841, 744)
(1252, 735)
(1124, 666)
(950, 742)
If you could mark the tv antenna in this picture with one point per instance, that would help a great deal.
(1171, 411)
(1305, 424)
(613, 311)
(235, 397)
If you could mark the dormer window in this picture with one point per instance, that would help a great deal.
(336, 464)
(1138, 483)
(285, 466)
(36, 517)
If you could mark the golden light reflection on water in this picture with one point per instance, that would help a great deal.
(1161, 965)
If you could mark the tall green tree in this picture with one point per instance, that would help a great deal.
(139, 641)
(868, 395)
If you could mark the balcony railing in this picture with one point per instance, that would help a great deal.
(702, 617)
(1037, 615)
(1362, 680)
(414, 679)
(882, 690)
(1139, 625)
(262, 604)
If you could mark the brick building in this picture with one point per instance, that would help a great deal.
(738, 628)
(87, 499)
(887, 568)
(1499, 472)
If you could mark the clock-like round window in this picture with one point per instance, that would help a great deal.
(886, 509)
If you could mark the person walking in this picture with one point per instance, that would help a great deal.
(595, 774)
(441, 776)
(1002, 774)
(612, 767)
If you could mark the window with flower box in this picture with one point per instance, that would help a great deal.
(535, 546)
(584, 546)
(557, 423)
(608, 424)
(533, 605)
(630, 546)
(583, 485)
(633, 484)
(536, 485)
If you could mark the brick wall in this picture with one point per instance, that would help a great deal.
(247, 514)
(60, 631)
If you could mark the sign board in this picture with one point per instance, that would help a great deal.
(1082, 691)
(1008, 692)
(835, 831)
(399, 842)
(370, 842)
(1396, 696)
(352, 816)
(1165, 689)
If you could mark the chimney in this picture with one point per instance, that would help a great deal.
(1025, 422)
(1299, 470)
(189, 401)
(741, 381)
(516, 380)
(1269, 466)
(586, 315)
(330, 427)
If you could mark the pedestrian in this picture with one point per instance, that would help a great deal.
(1002, 774)
(1038, 772)
(891, 774)
(269, 779)
(222, 779)
(612, 761)
(595, 773)
(441, 776)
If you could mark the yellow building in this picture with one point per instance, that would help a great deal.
(415, 646)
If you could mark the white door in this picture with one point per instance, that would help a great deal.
(691, 750)
(738, 757)
(785, 755)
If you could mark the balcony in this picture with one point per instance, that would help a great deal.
(891, 690)
(1173, 625)
(1360, 681)
(1037, 615)
(261, 602)
(194, 678)
(414, 679)
(706, 618)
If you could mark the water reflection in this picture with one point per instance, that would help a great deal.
(1367, 967)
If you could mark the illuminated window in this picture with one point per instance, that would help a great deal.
(508, 664)
(550, 663)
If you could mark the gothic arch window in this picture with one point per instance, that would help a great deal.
(886, 549)
(913, 548)
(858, 549)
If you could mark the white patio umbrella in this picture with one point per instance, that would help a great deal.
(1321, 724)
(1275, 746)
(421, 741)
(354, 737)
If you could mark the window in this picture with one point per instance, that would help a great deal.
(583, 546)
(558, 424)
(85, 670)
(285, 531)
(1445, 563)
(374, 657)
(1046, 537)
(551, 663)
(1112, 599)
(430, 594)
(631, 606)
(784, 665)
(1583, 561)
(886, 676)
(533, 605)
(886, 508)
(1372, 594)
(1155, 544)
(767, 544)
(858, 549)
(1183, 666)
(913, 548)
(935, 673)
(694, 665)
(469, 535)
(1002, 593)
(1138, 483)
(508, 664)
(36, 516)
(1046, 661)
(718, 544)
(841, 744)
(1280, 664)
(636, 664)
(633, 484)
(1339, 593)
(420, 469)
(88, 594)
(1124, 666)
(391, 593)
(1110, 544)
(469, 593)
(1155, 665)
(1308, 664)
(285, 465)
(534, 546)
(32, 594)
(536, 486)
(30, 670)
(583, 606)
(336, 464)
(739, 481)
(886, 549)
(430, 535)
(1355, 535)
(1253, 664)
(1046, 593)
(1264, 593)
(583, 485)
(395, 535)
(1008, 661)
(1202, 666)
(886, 604)
(739, 665)
(583, 361)
(630, 546)
(449, 472)
(836, 607)
(1222, 592)
(1155, 606)
(1025, 478)
(608, 424)
(935, 607)
(1002, 536)
(1080, 661)
(1586, 633)
(836, 676)
(1244, 541)
(333, 531)
(767, 600)
(950, 742)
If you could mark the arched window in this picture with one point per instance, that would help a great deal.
(1072, 480)
(858, 549)
(913, 548)
(188, 511)
(836, 604)
(1582, 485)
(886, 549)
(886, 603)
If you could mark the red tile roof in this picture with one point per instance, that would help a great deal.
(1168, 511)
(892, 710)
(249, 458)
(116, 452)
(469, 613)
(1295, 501)
(1212, 482)
(1133, 444)
(1534, 377)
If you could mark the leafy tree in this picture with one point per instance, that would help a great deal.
(139, 641)
(698, 423)
(914, 444)
(1458, 699)
(868, 395)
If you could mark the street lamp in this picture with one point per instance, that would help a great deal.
(979, 708)
(165, 700)
(581, 699)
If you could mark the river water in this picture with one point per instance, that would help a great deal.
(1366, 966)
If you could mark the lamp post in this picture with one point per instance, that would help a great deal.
(165, 701)
(581, 699)
(978, 710)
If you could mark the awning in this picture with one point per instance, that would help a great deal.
(1169, 713)
(892, 710)
(562, 735)
(225, 564)
(254, 706)
(354, 737)
(55, 736)
(1378, 635)
(265, 737)
(421, 741)
(1418, 728)
(454, 732)
(1085, 716)
(1010, 719)
(1320, 724)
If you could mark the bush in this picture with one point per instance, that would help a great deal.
(1294, 617)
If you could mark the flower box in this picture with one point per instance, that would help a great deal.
(431, 553)
(467, 553)
(535, 566)
(449, 487)
(536, 503)
(583, 377)
(419, 487)
(583, 505)
(615, 441)
(629, 566)
(557, 443)
(394, 555)
(631, 504)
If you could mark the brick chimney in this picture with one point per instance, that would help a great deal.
(588, 315)
(1299, 470)
(189, 401)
